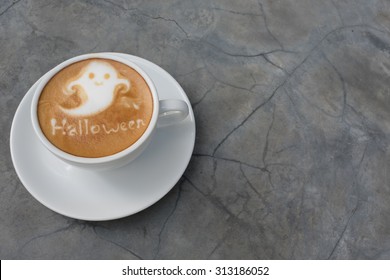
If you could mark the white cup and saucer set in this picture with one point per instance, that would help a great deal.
(114, 186)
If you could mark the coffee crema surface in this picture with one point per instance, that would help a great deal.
(95, 108)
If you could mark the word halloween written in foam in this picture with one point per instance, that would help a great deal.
(84, 127)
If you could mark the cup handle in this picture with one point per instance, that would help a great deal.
(172, 111)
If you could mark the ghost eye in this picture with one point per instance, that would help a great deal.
(106, 76)
(91, 75)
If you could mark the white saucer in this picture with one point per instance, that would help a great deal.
(107, 195)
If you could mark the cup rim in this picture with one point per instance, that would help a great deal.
(98, 160)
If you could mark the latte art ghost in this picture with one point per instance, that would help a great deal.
(95, 107)
(97, 84)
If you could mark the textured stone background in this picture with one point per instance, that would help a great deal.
(292, 102)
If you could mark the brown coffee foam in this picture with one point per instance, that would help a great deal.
(121, 114)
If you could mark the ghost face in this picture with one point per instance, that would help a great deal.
(98, 82)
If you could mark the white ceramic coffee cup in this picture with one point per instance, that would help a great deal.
(165, 113)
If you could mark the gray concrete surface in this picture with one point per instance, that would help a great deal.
(292, 102)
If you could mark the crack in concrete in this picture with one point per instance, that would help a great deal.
(281, 85)
(116, 244)
(245, 119)
(230, 160)
(38, 32)
(259, 195)
(371, 132)
(362, 157)
(82, 225)
(266, 58)
(142, 13)
(9, 7)
(119, 6)
(302, 200)
(266, 25)
(285, 149)
(214, 177)
(359, 201)
(189, 73)
(344, 230)
(166, 221)
(226, 83)
(344, 88)
(250, 184)
(254, 80)
(262, 55)
(166, 19)
(270, 178)
(263, 169)
(247, 55)
(69, 226)
(210, 198)
(294, 106)
(338, 12)
(204, 96)
(322, 110)
(237, 13)
(220, 242)
(265, 150)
